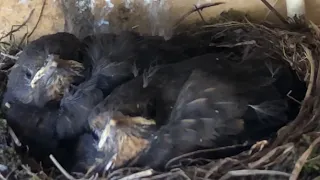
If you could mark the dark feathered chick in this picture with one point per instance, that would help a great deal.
(119, 58)
(111, 59)
(152, 95)
(55, 77)
(122, 139)
(35, 128)
(213, 111)
(209, 103)
(76, 76)
(53, 69)
(137, 106)
(114, 59)
(45, 68)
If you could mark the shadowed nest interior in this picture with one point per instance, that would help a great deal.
(293, 153)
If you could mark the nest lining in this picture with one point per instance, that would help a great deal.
(292, 154)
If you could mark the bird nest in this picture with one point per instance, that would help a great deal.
(294, 151)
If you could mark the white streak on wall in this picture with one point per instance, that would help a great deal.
(23, 1)
(109, 4)
(295, 7)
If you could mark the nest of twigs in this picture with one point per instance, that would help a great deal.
(292, 154)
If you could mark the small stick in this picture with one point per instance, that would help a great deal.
(265, 2)
(270, 154)
(315, 159)
(216, 167)
(303, 159)
(23, 38)
(252, 172)
(9, 56)
(41, 13)
(19, 27)
(94, 177)
(138, 175)
(27, 169)
(265, 17)
(182, 173)
(160, 176)
(2, 178)
(14, 137)
(294, 99)
(309, 56)
(122, 170)
(251, 42)
(318, 76)
(203, 151)
(198, 10)
(201, 7)
(18, 54)
(61, 169)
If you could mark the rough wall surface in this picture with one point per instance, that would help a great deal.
(14, 12)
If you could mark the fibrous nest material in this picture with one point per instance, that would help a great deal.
(294, 154)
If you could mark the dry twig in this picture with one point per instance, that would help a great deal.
(61, 169)
(2, 178)
(40, 15)
(19, 27)
(252, 42)
(303, 159)
(170, 162)
(195, 9)
(217, 166)
(27, 169)
(198, 10)
(139, 175)
(14, 137)
(275, 12)
(267, 157)
(9, 56)
(309, 57)
(252, 172)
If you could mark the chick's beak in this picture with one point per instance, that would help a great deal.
(125, 137)
(57, 73)
(125, 123)
(42, 72)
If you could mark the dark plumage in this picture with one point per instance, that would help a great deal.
(29, 103)
(203, 102)
(22, 86)
(57, 81)
(119, 58)
(113, 60)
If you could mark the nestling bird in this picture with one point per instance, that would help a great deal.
(44, 70)
(119, 58)
(203, 102)
(58, 79)
(112, 60)
(36, 65)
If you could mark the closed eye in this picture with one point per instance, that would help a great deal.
(28, 74)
